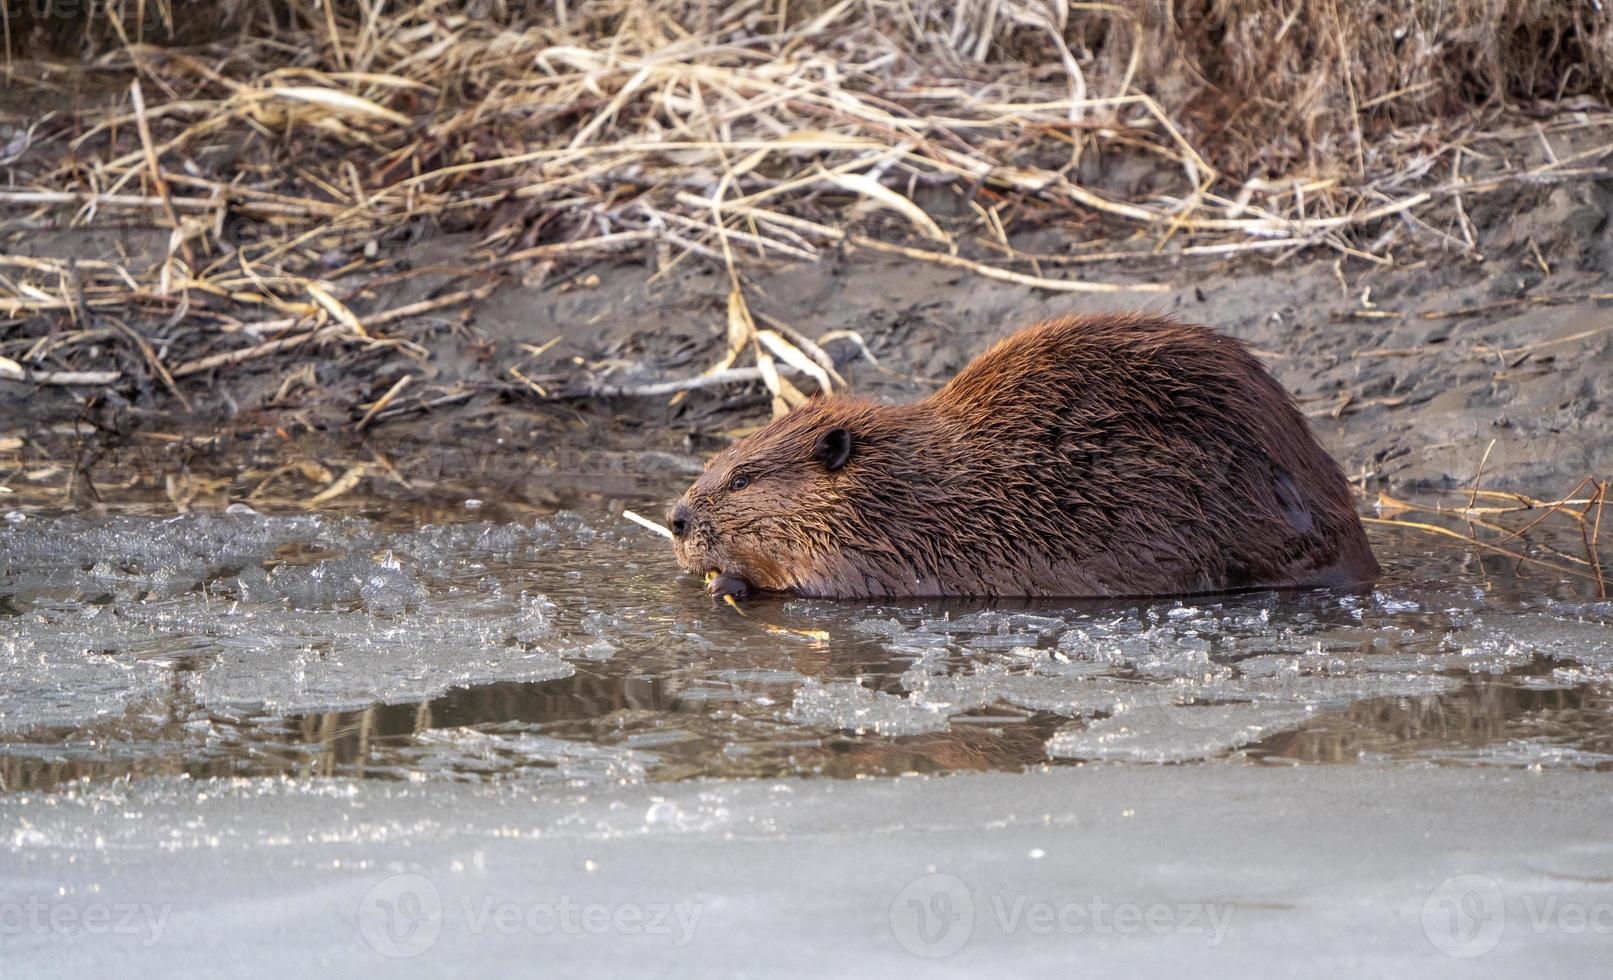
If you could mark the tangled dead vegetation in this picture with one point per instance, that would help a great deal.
(291, 151)
(1491, 526)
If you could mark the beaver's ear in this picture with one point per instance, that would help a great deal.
(833, 448)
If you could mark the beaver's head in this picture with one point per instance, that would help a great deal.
(770, 511)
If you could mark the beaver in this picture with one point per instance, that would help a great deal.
(1085, 456)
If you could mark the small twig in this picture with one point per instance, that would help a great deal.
(580, 245)
(152, 359)
(341, 485)
(533, 386)
(645, 522)
(936, 258)
(297, 340)
(1474, 496)
(157, 181)
(75, 377)
(656, 389)
(1590, 537)
(141, 201)
(807, 345)
(12, 371)
(212, 361)
(426, 406)
(1447, 532)
(821, 636)
(383, 402)
(1550, 511)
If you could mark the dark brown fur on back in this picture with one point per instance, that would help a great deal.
(1085, 456)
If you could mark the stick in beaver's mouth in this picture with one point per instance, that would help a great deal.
(713, 577)
(729, 588)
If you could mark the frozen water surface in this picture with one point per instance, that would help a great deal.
(266, 738)
(247, 645)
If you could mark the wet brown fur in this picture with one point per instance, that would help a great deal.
(1109, 455)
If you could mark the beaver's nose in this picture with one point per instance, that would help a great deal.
(680, 519)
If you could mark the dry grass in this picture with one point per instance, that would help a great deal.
(1314, 85)
(290, 149)
(1492, 526)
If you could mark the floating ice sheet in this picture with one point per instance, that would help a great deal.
(261, 639)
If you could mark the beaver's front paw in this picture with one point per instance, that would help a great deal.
(727, 584)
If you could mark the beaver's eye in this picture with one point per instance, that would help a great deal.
(738, 481)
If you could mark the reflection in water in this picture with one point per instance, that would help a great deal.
(572, 651)
(1488, 721)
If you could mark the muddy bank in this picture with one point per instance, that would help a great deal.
(1409, 371)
